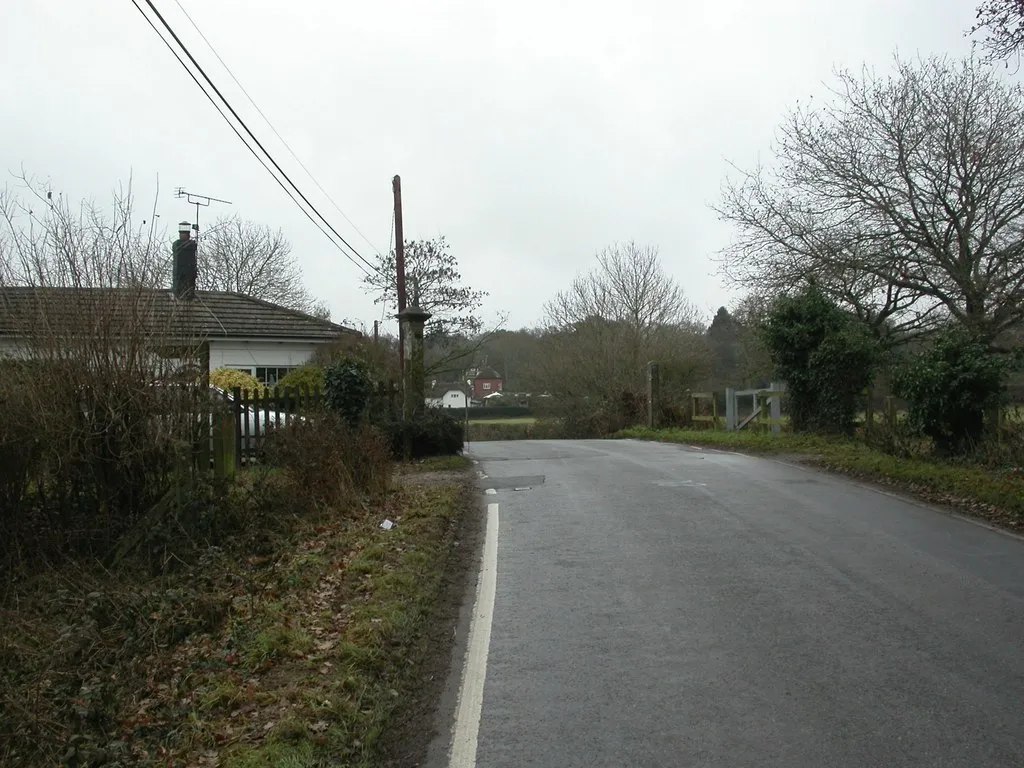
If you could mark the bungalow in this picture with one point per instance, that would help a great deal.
(446, 396)
(230, 330)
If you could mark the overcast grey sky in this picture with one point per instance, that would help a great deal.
(529, 134)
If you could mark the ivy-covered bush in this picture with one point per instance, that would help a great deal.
(825, 357)
(348, 387)
(950, 386)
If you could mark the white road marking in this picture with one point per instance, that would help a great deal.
(474, 671)
(491, 492)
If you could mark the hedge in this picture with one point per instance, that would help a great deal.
(499, 412)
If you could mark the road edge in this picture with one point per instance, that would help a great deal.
(892, 491)
(424, 717)
(437, 752)
(474, 669)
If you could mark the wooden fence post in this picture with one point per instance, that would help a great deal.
(775, 408)
(224, 457)
(653, 395)
(202, 440)
(994, 424)
(869, 410)
(236, 411)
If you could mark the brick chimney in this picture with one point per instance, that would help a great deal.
(185, 265)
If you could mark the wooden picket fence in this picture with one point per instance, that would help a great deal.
(257, 413)
(239, 429)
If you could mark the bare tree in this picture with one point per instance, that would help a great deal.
(774, 265)
(749, 314)
(243, 256)
(902, 197)
(1002, 21)
(605, 328)
(629, 286)
(46, 241)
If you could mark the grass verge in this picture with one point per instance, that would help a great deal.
(301, 655)
(519, 420)
(364, 616)
(994, 494)
(514, 429)
(435, 464)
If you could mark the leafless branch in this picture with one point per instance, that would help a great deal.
(1002, 22)
(902, 197)
(605, 328)
(242, 256)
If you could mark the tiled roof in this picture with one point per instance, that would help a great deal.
(211, 314)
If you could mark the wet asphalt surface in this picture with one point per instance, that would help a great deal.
(664, 606)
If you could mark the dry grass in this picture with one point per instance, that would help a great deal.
(298, 654)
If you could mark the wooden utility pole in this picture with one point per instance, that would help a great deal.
(396, 186)
(376, 332)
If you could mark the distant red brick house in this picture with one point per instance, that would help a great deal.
(486, 382)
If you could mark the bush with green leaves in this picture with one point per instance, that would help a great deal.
(309, 378)
(230, 378)
(950, 386)
(825, 357)
(348, 388)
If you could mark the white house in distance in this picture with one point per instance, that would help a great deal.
(446, 396)
(235, 330)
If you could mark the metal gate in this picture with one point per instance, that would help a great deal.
(766, 407)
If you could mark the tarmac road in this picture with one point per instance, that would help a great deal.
(657, 605)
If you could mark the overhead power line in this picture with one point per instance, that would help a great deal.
(249, 132)
(271, 125)
(244, 142)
